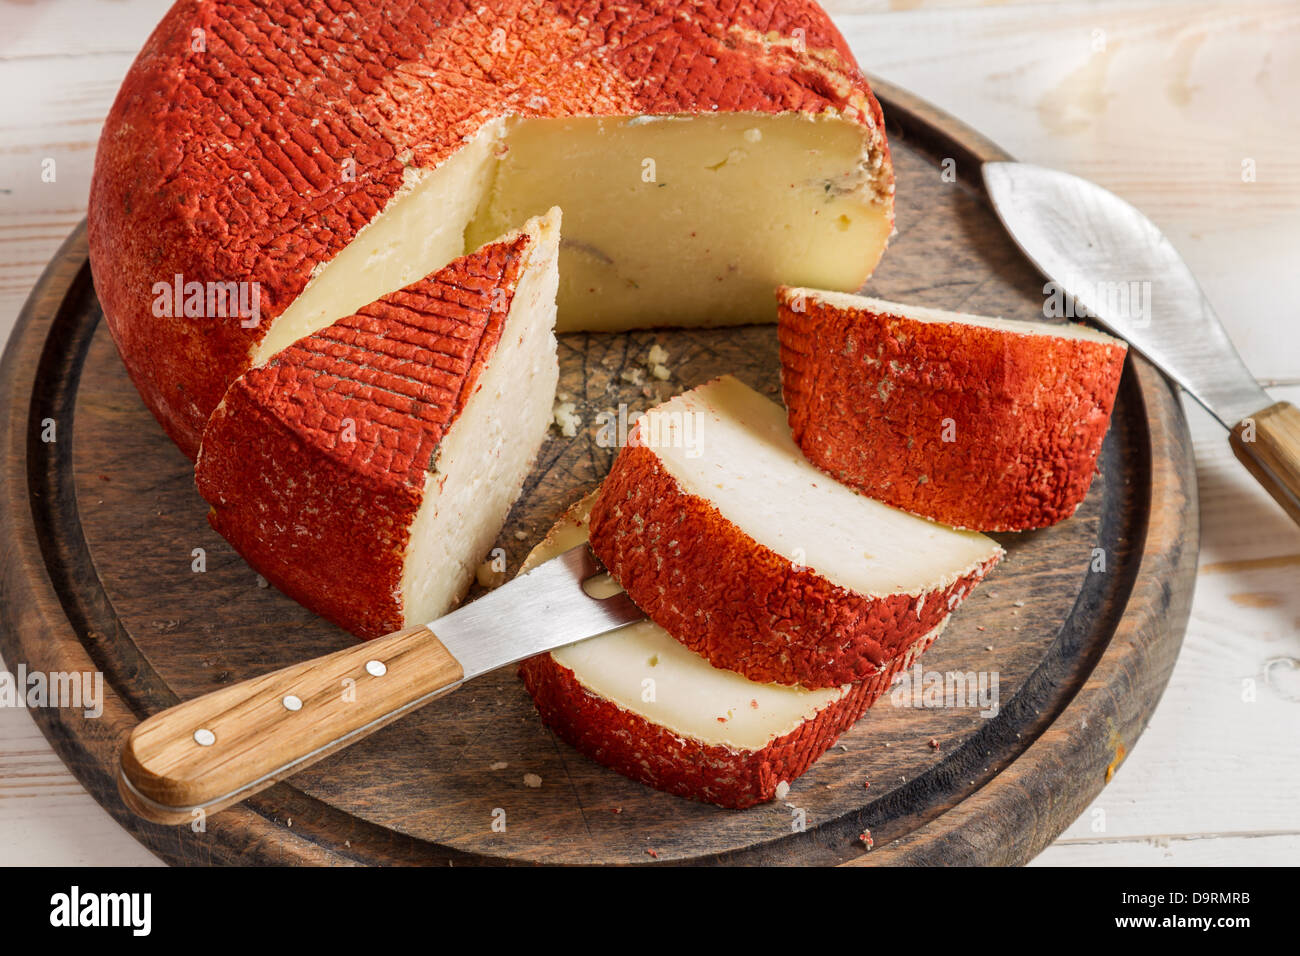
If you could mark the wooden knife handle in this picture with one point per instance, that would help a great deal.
(208, 753)
(1268, 444)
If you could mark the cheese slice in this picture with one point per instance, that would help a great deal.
(315, 158)
(978, 422)
(642, 703)
(728, 538)
(366, 469)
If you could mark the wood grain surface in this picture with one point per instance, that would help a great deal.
(106, 551)
(1268, 444)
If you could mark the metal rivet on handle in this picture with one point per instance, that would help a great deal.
(376, 668)
(292, 703)
(204, 737)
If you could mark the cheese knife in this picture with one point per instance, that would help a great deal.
(1112, 260)
(207, 753)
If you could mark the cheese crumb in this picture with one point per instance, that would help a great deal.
(488, 576)
(782, 790)
(532, 780)
(499, 765)
(566, 419)
(656, 361)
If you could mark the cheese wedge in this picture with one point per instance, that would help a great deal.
(312, 158)
(977, 422)
(367, 469)
(729, 539)
(643, 704)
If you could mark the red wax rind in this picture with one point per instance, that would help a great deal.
(315, 463)
(978, 428)
(223, 158)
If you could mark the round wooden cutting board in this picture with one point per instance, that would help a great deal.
(1080, 625)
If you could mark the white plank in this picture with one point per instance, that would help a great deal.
(1214, 760)
(1142, 117)
(69, 28)
(58, 120)
(1218, 850)
(46, 818)
(76, 29)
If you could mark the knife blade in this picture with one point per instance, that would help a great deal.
(546, 608)
(1113, 261)
(210, 752)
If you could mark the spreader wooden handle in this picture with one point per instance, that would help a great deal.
(207, 753)
(1268, 443)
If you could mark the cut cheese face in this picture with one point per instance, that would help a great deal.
(670, 220)
(420, 230)
(482, 462)
(691, 696)
(726, 536)
(743, 461)
(691, 220)
(641, 702)
(367, 469)
(978, 422)
(319, 160)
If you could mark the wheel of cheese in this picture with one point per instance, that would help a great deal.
(309, 157)
(366, 469)
(641, 703)
(977, 422)
(728, 538)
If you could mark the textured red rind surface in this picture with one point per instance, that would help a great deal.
(324, 518)
(221, 158)
(869, 395)
(740, 604)
(658, 757)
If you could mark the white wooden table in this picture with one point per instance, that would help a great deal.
(1162, 102)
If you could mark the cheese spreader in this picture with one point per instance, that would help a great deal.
(210, 752)
(1114, 261)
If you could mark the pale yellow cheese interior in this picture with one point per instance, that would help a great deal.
(728, 444)
(677, 220)
(691, 697)
(690, 220)
(421, 230)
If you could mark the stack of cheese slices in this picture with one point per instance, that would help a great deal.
(781, 601)
(326, 239)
